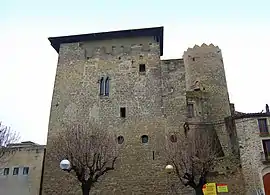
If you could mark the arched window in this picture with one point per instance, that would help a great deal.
(107, 86)
(101, 86)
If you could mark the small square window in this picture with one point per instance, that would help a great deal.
(6, 171)
(16, 171)
(123, 112)
(25, 170)
(142, 68)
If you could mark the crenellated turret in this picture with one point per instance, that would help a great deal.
(205, 72)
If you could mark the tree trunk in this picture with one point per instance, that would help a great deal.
(86, 188)
(198, 190)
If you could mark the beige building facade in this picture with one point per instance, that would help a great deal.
(21, 171)
(118, 81)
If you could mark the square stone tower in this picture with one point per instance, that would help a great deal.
(114, 80)
(117, 81)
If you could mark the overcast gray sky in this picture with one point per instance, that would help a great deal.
(28, 62)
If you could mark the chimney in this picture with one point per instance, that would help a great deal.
(267, 108)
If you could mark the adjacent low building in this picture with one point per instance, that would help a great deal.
(254, 145)
(21, 172)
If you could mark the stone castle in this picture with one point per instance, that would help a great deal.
(118, 81)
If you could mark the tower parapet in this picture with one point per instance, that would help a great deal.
(204, 48)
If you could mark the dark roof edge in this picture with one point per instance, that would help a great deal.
(251, 115)
(154, 31)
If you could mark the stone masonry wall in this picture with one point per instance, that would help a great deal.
(173, 96)
(251, 147)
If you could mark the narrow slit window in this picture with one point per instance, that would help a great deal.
(142, 68)
(153, 155)
(190, 109)
(101, 86)
(123, 112)
(107, 86)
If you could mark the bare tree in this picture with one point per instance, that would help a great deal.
(91, 151)
(193, 156)
(7, 136)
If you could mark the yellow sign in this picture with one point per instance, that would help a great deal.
(222, 188)
(210, 189)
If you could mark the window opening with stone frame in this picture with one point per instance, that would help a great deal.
(25, 170)
(16, 171)
(142, 68)
(266, 148)
(6, 171)
(190, 109)
(120, 139)
(263, 127)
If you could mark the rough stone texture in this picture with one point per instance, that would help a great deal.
(24, 155)
(155, 104)
(250, 152)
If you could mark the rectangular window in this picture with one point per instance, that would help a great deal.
(123, 112)
(266, 147)
(16, 171)
(263, 126)
(142, 68)
(6, 171)
(25, 170)
(190, 109)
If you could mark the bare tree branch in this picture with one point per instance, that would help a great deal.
(7, 136)
(193, 156)
(91, 151)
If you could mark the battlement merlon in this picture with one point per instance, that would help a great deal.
(204, 48)
(156, 32)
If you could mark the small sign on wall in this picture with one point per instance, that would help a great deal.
(209, 189)
(222, 188)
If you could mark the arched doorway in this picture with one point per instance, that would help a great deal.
(266, 183)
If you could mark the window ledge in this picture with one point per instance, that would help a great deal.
(264, 134)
